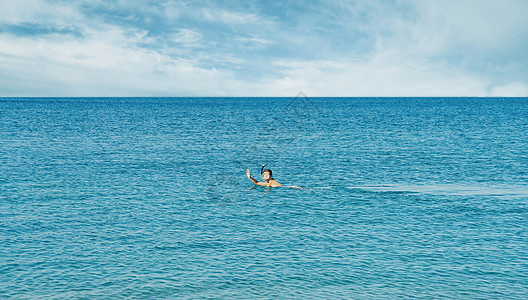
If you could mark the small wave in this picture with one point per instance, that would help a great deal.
(450, 189)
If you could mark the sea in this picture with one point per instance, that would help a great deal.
(148, 198)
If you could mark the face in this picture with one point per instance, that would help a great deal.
(265, 175)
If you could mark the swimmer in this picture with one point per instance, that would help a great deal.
(266, 175)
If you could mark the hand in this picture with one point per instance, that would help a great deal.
(248, 173)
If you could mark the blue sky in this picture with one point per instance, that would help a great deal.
(263, 48)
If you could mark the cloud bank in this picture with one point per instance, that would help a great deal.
(257, 48)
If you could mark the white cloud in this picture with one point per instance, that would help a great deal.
(412, 57)
(514, 89)
(101, 64)
(483, 25)
(229, 17)
(36, 11)
(378, 77)
(187, 36)
(252, 40)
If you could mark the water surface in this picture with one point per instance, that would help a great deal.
(147, 198)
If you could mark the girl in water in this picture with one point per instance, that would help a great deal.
(267, 176)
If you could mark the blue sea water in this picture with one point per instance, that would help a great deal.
(147, 198)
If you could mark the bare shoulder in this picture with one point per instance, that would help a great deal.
(274, 183)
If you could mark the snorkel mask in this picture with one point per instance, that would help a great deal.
(266, 175)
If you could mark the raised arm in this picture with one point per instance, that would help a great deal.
(255, 181)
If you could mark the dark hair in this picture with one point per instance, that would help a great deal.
(268, 170)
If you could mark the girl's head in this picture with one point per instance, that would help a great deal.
(266, 174)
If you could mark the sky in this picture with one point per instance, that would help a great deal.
(374, 48)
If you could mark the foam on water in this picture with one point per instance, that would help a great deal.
(452, 189)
